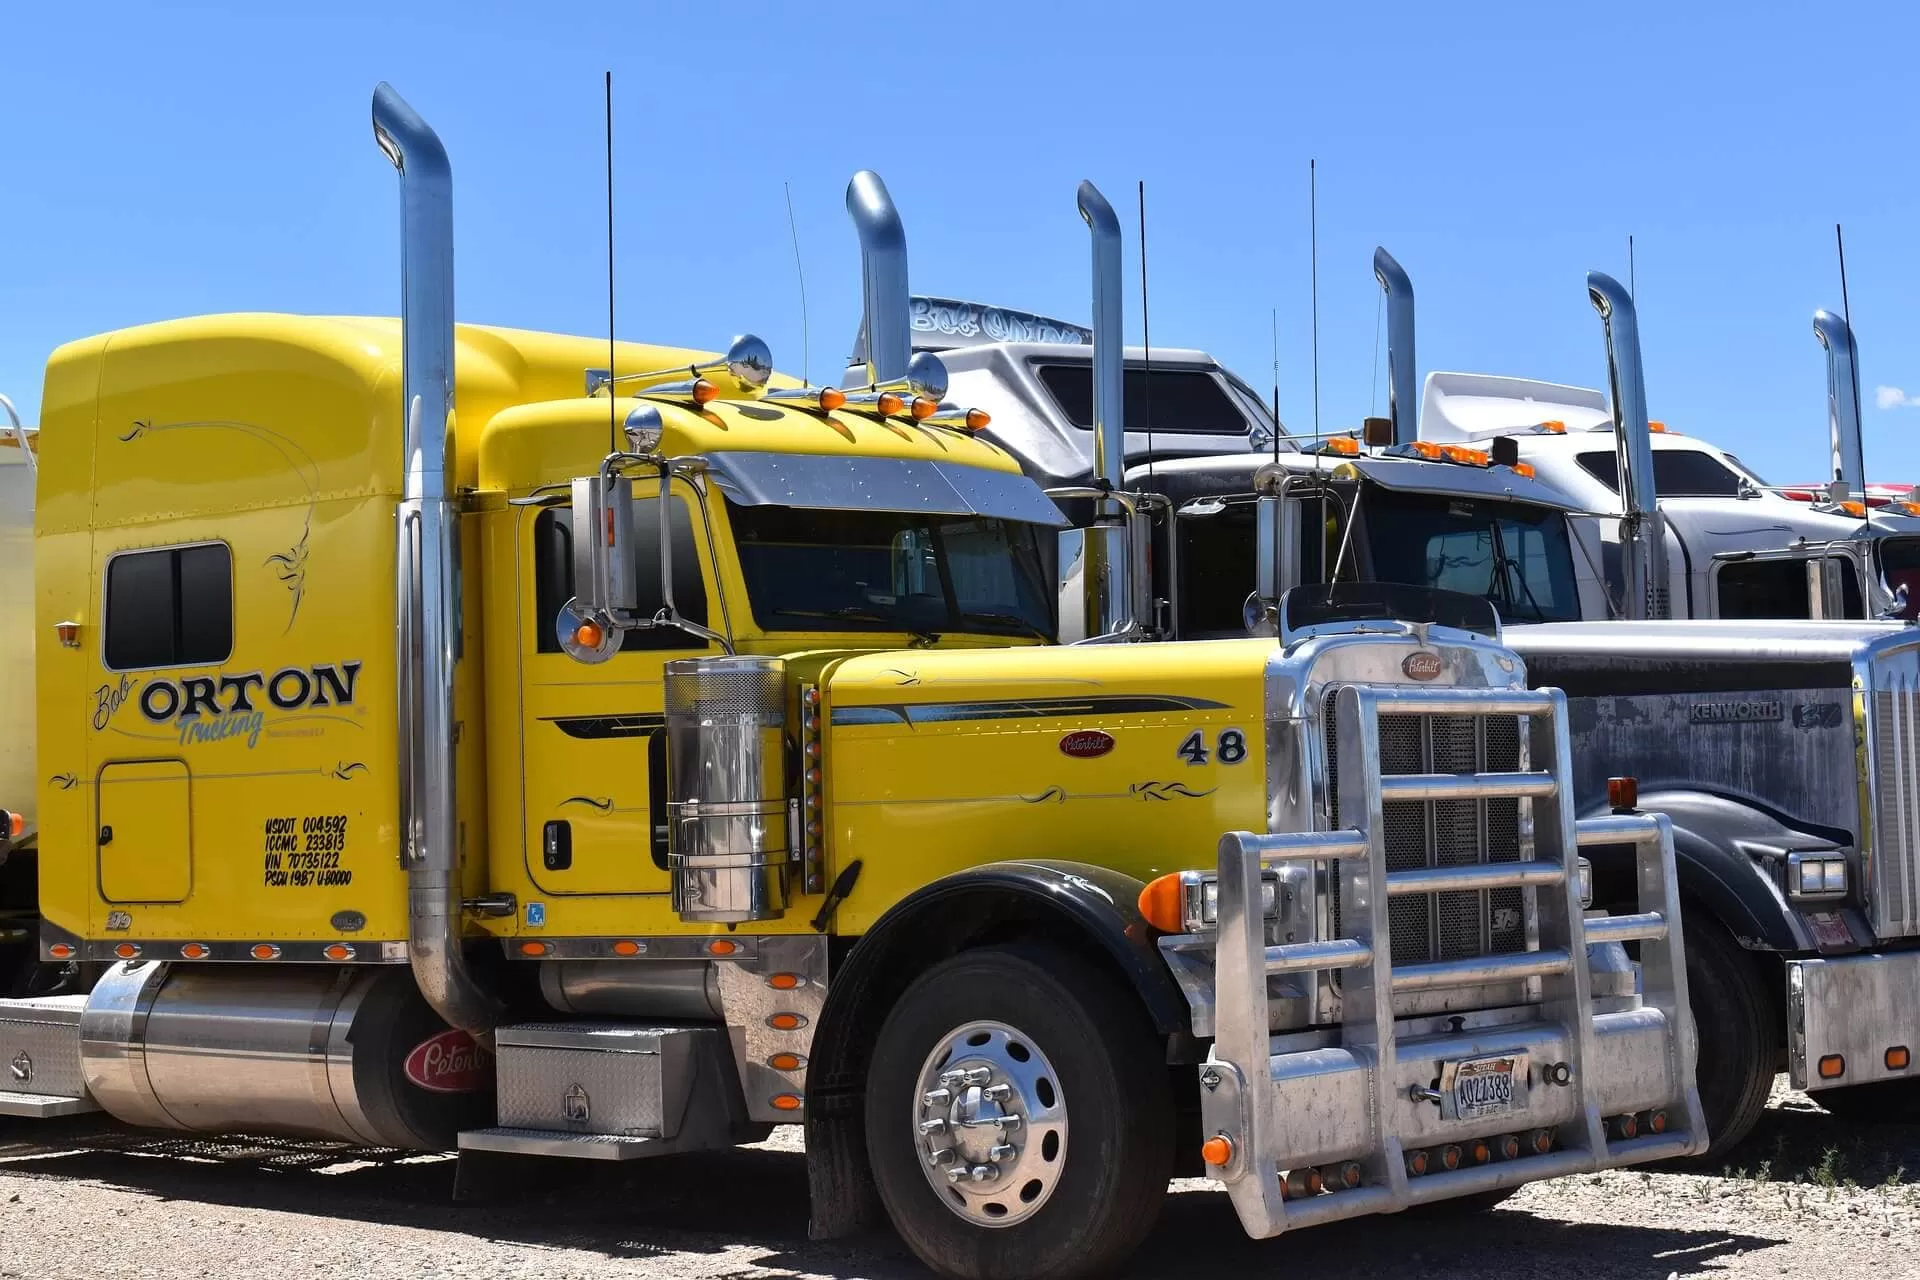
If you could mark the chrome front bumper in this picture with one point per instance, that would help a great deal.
(1858, 1010)
(1371, 1115)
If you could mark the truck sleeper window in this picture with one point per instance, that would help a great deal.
(172, 607)
(1514, 554)
(553, 575)
(1677, 473)
(817, 570)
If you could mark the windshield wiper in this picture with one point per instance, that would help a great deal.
(1007, 619)
(1510, 572)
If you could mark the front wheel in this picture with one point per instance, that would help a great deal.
(1739, 1036)
(1019, 1117)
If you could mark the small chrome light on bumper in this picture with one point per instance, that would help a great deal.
(1816, 876)
(1585, 873)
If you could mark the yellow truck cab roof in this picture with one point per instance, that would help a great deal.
(521, 415)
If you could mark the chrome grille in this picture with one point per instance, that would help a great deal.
(1444, 833)
(1895, 849)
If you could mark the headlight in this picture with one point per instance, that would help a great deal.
(1202, 897)
(1817, 875)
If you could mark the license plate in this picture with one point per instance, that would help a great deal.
(1473, 1088)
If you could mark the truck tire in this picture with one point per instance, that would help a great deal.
(1043, 1036)
(1739, 1032)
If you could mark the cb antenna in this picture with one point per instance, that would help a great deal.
(806, 348)
(1313, 256)
(1633, 288)
(1846, 312)
(1276, 385)
(613, 417)
(1146, 339)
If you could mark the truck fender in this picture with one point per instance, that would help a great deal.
(1069, 903)
(1711, 838)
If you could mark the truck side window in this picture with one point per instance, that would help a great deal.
(553, 575)
(1778, 589)
(172, 607)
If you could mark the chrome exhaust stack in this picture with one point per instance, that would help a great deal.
(886, 312)
(428, 565)
(1108, 580)
(1643, 546)
(1848, 461)
(1403, 387)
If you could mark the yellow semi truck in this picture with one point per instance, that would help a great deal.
(467, 738)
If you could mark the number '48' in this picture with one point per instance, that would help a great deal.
(1230, 747)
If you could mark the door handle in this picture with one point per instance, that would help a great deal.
(105, 837)
(557, 845)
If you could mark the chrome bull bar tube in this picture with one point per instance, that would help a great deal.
(1378, 1096)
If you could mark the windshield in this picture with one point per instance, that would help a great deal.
(816, 570)
(1516, 555)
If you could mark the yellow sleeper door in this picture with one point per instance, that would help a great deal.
(145, 835)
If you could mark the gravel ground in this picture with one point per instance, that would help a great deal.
(1818, 1197)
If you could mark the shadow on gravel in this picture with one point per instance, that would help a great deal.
(1796, 1141)
(708, 1202)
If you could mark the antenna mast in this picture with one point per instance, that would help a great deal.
(806, 347)
(1846, 311)
(1276, 385)
(613, 417)
(1146, 338)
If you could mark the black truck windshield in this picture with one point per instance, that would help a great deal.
(1517, 555)
(818, 570)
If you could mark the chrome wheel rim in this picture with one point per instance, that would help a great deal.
(990, 1124)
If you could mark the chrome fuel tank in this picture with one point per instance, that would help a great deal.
(351, 1054)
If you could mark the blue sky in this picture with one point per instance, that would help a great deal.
(165, 161)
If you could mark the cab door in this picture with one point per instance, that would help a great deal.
(592, 736)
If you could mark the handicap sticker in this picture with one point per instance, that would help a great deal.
(536, 914)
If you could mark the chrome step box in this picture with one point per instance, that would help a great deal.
(40, 1071)
(612, 1091)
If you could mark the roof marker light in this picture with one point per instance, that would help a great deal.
(923, 407)
(890, 403)
(1553, 426)
(704, 392)
(831, 398)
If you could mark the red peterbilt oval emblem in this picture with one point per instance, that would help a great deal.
(450, 1063)
(1421, 665)
(1086, 744)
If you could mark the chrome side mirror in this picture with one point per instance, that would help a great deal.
(1276, 550)
(603, 568)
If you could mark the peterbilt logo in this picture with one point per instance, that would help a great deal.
(1421, 665)
(449, 1063)
(1086, 744)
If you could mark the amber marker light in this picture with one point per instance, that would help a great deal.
(786, 1102)
(588, 635)
(1217, 1150)
(1833, 1066)
(832, 398)
(786, 1021)
(60, 951)
(786, 1062)
(722, 947)
(1523, 469)
(195, 951)
(1554, 426)
(16, 825)
(1344, 445)
(1162, 903)
(127, 950)
(1898, 1059)
(977, 420)
(626, 947)
(786, 981)
(889, 404)
(924, 407)
(1428, 450)
(265, 951)
(533, 949)
(1658, 428)
(338, 951)
(704, 392)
